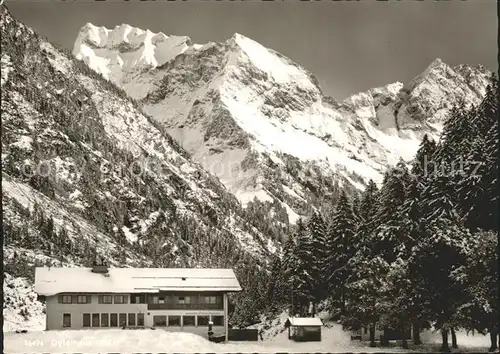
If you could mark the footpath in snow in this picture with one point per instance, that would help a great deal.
(147, 340)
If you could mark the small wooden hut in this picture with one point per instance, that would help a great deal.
(304, 329)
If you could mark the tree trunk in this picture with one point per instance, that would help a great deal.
(493, 338)
(453, 338)
(342, 302)
(372, 335)
(403, 333)
(405, 341)
(416, 333)
(384, 342)
(445, 347)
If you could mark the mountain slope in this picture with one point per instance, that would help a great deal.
(85, 172)
(261, 123)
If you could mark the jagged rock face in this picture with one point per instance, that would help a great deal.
(248, 114)
(431, 94)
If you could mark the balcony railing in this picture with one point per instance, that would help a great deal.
(170, 306)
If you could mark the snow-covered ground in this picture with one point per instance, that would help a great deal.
(21, 309)
(129, 341)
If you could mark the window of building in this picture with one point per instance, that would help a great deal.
(208, 299)
(188, 320)
(218, 320)
(311, 329)
(131, 319)
(66, 320)
(140, 319)
(161, 299)
(184, 299)
(203, 320)
(104, 320)
(159, 321)
(95, 320)
(123, 319)
(65, 299)
(154, 299)
(119, 299)
(86, 320)
(113, 320)
(105, 299)
(174, 320)
(83, 299)
(137, 299)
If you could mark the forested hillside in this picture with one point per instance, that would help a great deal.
(85, 173)
(422, 249)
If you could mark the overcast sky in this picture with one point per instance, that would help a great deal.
(348, 46)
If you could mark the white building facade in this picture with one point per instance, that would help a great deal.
(172, 299)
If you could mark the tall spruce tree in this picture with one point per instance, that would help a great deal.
(356, 206)
(479, 275)
(424, 163)
(299, 283)
(363, 285)
(455, 138)
(341, 248)
(276, 289)
(368, 207)
(478, 188)
(431, 267)
(393, 191)
(315, 256)
(390, 232)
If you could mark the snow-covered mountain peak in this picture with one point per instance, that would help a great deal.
(389, 90)
(247, 113)
(431, 94)
(278, 68)
(437, 63)
(237, 36)
(126, 49)
(102, 37)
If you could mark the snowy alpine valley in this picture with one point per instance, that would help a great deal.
(160, 195)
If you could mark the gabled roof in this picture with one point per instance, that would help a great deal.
(55, 280)
(304, 321)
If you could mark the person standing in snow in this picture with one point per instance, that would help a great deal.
(261, 331)
(210, 332)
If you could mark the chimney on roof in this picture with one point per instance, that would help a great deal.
(100, 266)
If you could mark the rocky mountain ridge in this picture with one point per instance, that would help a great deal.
(262, 124)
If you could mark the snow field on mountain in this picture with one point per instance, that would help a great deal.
(298, 136)
(270, 63)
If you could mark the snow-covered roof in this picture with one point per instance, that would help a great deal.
(55, 280)
(305, 321)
